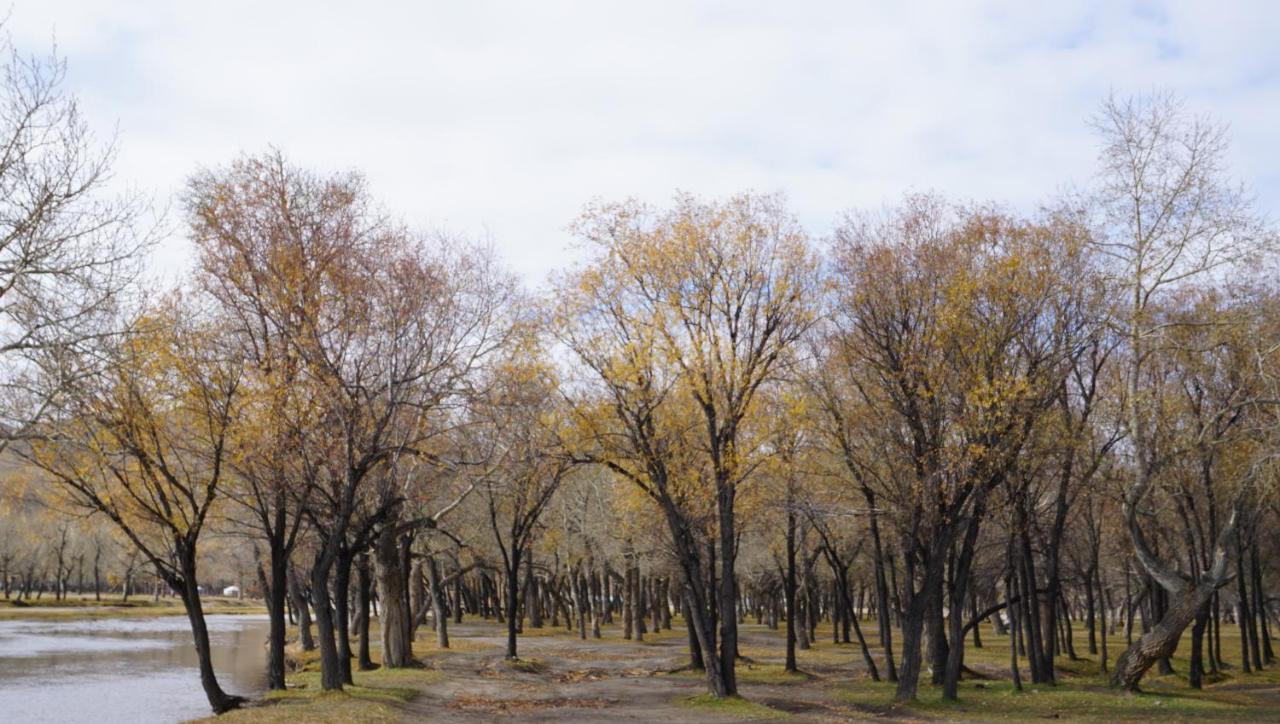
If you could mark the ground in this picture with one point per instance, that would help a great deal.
(561, 678)
(76, 606)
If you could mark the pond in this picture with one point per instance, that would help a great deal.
(136, 670)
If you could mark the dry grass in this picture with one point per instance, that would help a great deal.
(142, 606)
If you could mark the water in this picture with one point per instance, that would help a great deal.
(135, 670)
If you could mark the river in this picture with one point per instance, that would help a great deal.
(136, 670)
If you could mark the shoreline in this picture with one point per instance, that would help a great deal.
(115, 608)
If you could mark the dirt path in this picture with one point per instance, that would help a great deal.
(567, 679)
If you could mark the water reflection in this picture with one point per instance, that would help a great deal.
(125, 670)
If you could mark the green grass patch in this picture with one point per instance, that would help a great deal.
(734, 706)
(999, 701)
(323, 707)
(375, 697)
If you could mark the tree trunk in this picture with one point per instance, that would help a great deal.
(397, 646)
(790, 588)
(438, 610)
(917, 605)
(219, 700)
(1195, 673)
(276, 594)
(363, 594)
(513, 600)
(1162, 639)
(330, 669)
(303, 610)
(1015, 629)
(728, 597)
(342, 614)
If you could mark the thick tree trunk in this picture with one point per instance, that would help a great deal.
(1162, 639)
(397, 646)
(342, 613)
(330, 668)
(1195, 673)
(917, 606)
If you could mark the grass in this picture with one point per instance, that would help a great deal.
(834, 675)
(998, 701)
(375, 697)
(142, 606)
(733, 706)
(353, 703)
(1082, 693)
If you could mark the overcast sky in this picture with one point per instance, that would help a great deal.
(504, 118)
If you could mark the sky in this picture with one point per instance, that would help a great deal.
(501, 120)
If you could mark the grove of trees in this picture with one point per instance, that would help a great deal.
(945, 413)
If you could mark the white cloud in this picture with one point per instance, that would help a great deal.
(507, 117)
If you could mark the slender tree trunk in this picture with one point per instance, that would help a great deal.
(513, 600)
(961, 579)
(728, 587)
(790, 584)
(1015, 632)
(363, 595)
(188, 587)
(305, 638)
(276, 595)
(438, 603)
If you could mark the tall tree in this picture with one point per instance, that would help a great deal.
(143, 442)
(680, 317)
(956, 325)
(1168, 218)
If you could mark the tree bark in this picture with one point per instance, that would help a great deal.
(790, 590)
(1162, 639)
(363, 595)
(397, 646)
(303, 610)
(276, 594)
(188, 587)
(438, 609)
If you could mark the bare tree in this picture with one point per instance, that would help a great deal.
(1169, 217)
(68, 249)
